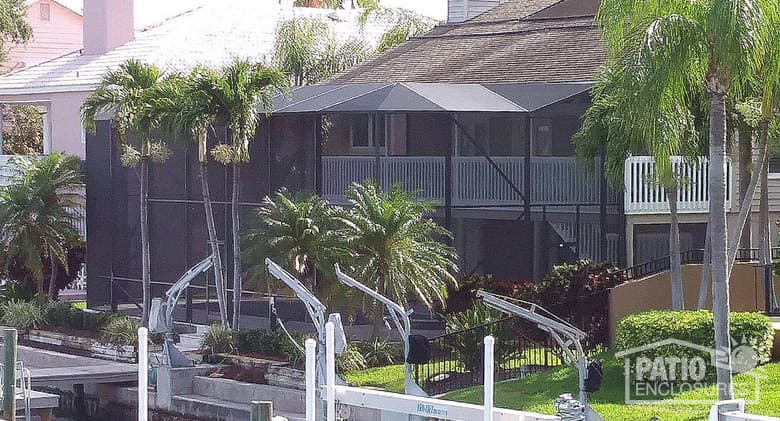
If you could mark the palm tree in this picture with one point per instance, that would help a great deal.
(714, 45)
(307, 51)
(301, 232)
(396, 247)
(128, 92)
(36, 210)
(184, 107)
(608, 132)
(238, 91)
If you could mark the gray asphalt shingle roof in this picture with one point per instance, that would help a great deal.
(520, 41)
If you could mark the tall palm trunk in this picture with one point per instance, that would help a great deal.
(234, 209)
(378, 310)
(746, 204)
(764, 229)
(705, 268)
(53, 277)
(675, 264)
(745, 163)
(719, 240)
(219, 281)
(145, 265)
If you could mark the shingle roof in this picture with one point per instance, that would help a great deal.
(554, 50)
(211, 34)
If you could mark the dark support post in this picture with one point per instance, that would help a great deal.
(577, 231)
(377, 158)
(603, 210)
(9, 373)
(448, 186)
(527, 171)
(318, 155)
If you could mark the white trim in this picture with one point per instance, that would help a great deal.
(86, 87)
(773, 176)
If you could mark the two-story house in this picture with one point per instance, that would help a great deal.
(477, 115)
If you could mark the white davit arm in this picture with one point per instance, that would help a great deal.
(563, 332)
(400, 317)
(315, 308)
(398, 313)
(177, 289)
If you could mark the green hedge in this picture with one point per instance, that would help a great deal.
(641, 329)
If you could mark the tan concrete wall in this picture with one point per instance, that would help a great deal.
(654, 293)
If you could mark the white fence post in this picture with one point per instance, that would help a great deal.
(143, 374)
(311, 376)
(330, 368)
(490, 342)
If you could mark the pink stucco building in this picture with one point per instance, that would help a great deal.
(57, 30)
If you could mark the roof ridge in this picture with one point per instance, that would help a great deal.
(513, 32)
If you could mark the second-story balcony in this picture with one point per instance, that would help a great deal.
(475, 181)
(643, 195)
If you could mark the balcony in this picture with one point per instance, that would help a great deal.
(475, 182)
(643, 196)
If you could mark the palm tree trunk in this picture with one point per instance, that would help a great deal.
(764, 229)
(53, 277)
(378, 310)
(675, 264)
(219, 280)
(145, 265)
(746, 204)
(719, 240)
(705, 269)
(236, 245)
(745, 163)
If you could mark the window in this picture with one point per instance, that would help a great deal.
(542, 140)
(45, 12)
(359, 130)
(362, 134)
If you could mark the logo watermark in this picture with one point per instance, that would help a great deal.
(656, 372)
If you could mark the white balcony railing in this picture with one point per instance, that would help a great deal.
(475, 182)
(643, 195)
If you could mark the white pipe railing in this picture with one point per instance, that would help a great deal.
(475, 182)
(644, 195)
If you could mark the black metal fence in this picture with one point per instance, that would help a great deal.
(457, 361)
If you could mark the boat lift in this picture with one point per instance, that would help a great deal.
(316, 311)
(568, 337)
(401, 320)
(163, 323)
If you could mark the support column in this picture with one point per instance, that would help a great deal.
(603, 190)
(629, 242)
(527, 170)
(448, 185)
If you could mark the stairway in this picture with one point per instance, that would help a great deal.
(227, 400)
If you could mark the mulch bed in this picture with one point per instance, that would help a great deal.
(241, 374)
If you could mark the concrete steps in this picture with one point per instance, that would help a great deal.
(220, 410)
(285, 400)
(228, 400)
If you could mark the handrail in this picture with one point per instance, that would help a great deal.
(687, 257)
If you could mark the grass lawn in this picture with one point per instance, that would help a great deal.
(536, 394)
(390, 378)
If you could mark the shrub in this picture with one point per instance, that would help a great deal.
(290, 352)
(350, 360)
(58, 313)
(696, 327)
(471, 325)
(380, 353)
(259, 341)
(218, 339)
(120, 331)
(22, 315)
